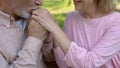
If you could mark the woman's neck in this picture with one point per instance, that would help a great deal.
(91, 13)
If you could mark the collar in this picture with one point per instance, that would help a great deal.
(5, 19)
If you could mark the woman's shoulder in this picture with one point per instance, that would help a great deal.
(73, 14)
(71, 18)
(114, 16)
(111, 19)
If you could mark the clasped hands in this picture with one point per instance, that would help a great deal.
(41, 23)
(40, 27)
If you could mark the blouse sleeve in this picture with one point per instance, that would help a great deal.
(103, 51)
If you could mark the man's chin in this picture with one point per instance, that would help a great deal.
(26, 15)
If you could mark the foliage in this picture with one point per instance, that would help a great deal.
(60, 18)
(59, 8)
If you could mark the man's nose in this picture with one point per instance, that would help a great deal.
(38, 2)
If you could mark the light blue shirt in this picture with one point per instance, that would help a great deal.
(20, 24)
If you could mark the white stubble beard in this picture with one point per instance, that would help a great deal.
(25, 14)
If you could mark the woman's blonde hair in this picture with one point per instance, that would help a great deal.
(106, 5)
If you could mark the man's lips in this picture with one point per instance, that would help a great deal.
(34, 8)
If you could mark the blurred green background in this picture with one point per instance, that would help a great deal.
(59, 8)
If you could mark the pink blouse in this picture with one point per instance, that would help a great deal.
(95, 42)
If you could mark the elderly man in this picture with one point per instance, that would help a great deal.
(19, 49)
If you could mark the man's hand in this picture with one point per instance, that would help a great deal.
(36, 30)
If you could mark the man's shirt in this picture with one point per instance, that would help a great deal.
(16, 51)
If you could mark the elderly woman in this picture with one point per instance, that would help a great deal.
(91, 37)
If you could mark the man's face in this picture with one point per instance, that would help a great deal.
(24, 8)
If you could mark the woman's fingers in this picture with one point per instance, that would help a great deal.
(43, 17)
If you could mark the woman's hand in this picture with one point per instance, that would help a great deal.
(45, 19)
